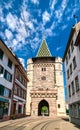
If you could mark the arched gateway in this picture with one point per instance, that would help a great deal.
(43, 108)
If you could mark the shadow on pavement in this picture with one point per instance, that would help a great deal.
(66, 119)
(75, 125)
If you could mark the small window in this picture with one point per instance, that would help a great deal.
(79, 47)
(70, 68)
(69, 90)
(2, 90)
(9, 63)
(7, 76)
(43, 69)
(43, 78)
(9, 93)
(58, 105)
(24, 95)
(72, 84)
(74, 62)
(19, 108)
(77, 83)
(6, 92)
(15, 90)
(68, 74)
(72, 46)
(1, 69)
(66, 60)
(1, 54)
(69, 55)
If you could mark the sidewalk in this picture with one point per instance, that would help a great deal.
(66, 125)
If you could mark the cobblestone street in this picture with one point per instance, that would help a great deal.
(38, 123)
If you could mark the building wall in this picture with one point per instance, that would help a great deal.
(29, 86)
(19, 92)
(48, 74)
(51, 102)
(3, 81)
(13, 84)
(73, 96)
(60, 87)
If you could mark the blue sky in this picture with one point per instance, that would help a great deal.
(24, 23)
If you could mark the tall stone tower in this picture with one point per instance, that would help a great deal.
(45, 86)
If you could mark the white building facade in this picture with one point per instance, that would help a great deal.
(6, 81)
(13, 84)
(72, 67)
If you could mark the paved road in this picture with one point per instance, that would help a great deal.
(38, 123)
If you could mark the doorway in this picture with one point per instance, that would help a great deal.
(43, 108)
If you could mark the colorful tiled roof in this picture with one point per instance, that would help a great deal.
(43, 50)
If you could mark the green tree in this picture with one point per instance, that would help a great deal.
(44, 109)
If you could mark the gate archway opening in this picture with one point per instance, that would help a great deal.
(43, 108)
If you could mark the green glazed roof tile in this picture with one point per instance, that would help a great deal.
(43, 50)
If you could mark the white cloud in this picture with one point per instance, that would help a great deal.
(45, 17)
(64, 27)
(8, 34)
(15, 43)
(36, 39)
(2, 19)
(8, 5)
(39, 12)
(52, 4)
(49, 32)
(35, 21)
(58, 48)
(34, 43)
(25, 15)
(60, 11)
(30, 25)
(58, 14)
(22, 61)
(35, 1)
(20, 38)
(64, 4)
(21, 29)
(12, 21)
(54, 24)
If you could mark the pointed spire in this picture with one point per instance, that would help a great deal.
(43, 50)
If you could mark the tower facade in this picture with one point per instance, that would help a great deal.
(45, 88)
